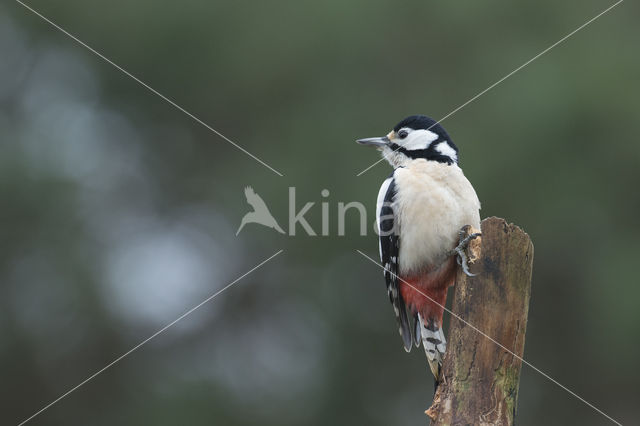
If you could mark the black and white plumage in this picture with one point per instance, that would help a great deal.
(421, 209)
(389, 244)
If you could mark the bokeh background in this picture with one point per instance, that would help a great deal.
(118, 212)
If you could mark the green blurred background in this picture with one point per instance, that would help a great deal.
(119, 212)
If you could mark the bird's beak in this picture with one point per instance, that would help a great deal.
(379, 142)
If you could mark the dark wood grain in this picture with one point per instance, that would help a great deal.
(480, 378)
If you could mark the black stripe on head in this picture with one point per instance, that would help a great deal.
(417, 122)
(430, 153)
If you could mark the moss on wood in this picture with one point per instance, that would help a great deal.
(481, 378)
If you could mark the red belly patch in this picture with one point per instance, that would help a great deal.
(426, 292)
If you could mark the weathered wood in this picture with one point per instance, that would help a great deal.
(481, 378)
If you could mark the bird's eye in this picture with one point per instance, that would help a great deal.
(402, 134)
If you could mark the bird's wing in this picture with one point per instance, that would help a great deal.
(254, 199)
(389, 256)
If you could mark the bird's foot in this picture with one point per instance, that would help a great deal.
(461, 250)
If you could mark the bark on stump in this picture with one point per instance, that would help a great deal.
(481, 378)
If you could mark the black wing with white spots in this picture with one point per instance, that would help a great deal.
(389, 255)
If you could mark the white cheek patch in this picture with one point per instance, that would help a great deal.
(446, 150)
(418, 139)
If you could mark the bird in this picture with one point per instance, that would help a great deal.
(425, 211)
(260, 213)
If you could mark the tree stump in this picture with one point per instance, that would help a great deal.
(479, 382)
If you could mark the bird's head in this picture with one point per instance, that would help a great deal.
(415, 137)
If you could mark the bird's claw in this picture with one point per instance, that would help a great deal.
(464, 262)
(460, 250)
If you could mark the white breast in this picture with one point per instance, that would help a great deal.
(433, 201)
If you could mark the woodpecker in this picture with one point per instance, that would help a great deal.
(423, 210)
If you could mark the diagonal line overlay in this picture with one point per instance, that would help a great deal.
(495, 341)
(146, 86)
(136, 347)
(510, 74)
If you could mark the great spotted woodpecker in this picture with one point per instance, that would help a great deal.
(421, 209)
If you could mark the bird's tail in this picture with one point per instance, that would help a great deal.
(434, 343)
